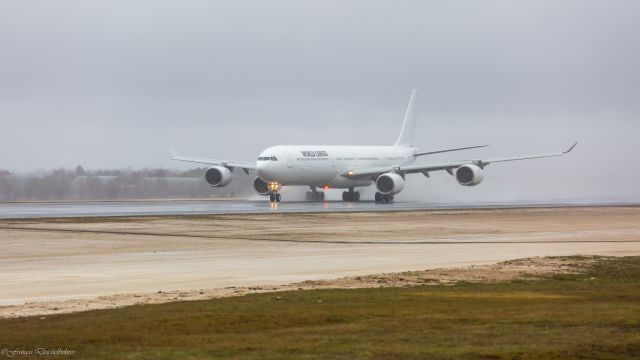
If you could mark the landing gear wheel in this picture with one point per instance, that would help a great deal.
(383, 199)
(314, 196)
(350, 196)
(274, 197)
(277, 197)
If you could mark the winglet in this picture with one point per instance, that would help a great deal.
(173, 153)
(571, 148)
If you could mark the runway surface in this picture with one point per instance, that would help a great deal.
(81, 258)
(214, 206)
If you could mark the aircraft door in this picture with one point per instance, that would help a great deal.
(289, 157)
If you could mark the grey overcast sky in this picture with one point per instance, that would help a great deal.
(112, 84)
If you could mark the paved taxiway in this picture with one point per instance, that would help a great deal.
(70, 258)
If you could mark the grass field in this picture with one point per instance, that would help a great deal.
(591, 315)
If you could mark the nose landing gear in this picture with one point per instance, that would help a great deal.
(350, 196)
(274, 196)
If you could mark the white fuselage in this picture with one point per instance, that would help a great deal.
(322, 165)
(349, 167)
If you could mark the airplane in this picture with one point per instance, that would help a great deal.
(349, 167)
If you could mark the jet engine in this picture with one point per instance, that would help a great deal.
(469, 175)
(218, 176)
(261, 186)
(389, 183)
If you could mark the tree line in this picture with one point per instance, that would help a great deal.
(104, 184)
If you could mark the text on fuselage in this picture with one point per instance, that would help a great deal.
(314, 153)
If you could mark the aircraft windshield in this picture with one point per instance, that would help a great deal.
(267, 158)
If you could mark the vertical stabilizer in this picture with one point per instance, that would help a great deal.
(407, 134)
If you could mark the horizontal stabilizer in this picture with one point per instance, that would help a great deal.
(448, 150)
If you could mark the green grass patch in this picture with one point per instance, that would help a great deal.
(593, 315)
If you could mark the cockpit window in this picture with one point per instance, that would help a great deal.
(273, 158)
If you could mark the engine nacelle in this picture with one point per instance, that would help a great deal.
(469, 175)
(261, 186)
(389, 183)
(218, 176)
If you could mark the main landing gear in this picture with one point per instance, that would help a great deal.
(314, 195)
(351, 196)
(383, 199)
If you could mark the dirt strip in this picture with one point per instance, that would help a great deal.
(530, 269)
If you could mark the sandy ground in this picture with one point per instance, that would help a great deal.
(62, 265)
(530, 269)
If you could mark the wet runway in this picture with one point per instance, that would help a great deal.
(238, 206)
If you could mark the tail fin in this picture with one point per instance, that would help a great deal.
(407, 134)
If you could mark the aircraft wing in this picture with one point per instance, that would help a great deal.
(448, 166)
(227, 163)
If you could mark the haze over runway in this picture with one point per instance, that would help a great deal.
(115, 84)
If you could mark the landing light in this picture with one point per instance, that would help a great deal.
(350, 173)
(326, 187)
